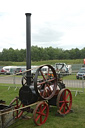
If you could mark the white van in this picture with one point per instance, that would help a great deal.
(63, 68)
(69, 69)
(7, 70)
(33, 69)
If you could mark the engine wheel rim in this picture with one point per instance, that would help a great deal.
(40, 113)
(49, 84)
(64, 101)
(17, 104)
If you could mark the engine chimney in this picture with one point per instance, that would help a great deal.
(28, 47)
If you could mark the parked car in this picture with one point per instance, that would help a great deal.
(18, 70)
(8, 70)
(81, 74)
(2, 71)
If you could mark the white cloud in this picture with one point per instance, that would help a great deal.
(56, 23)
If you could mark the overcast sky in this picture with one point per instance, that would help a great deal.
(56, 23)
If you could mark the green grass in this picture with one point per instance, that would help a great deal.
(51, 62)
(70, 77)
(8, 95)
(66, 77)
(71, 120)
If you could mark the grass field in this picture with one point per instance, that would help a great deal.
(70, 77)
(51, 62)
(71, 120)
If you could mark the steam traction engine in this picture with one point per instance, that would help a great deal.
(42, 89)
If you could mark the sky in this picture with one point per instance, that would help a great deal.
(55, 23)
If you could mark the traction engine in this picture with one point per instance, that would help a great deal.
(43, 89)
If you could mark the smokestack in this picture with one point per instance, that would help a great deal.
(28, 47)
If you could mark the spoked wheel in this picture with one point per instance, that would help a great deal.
(17, 104)
(45, 83)
(40, 113)
(64, 101)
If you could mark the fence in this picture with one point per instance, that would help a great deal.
(75, 85)
(15, 81)
(76, 67)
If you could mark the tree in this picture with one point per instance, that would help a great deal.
(66, 54)
(5, 56)
(12, 55)
(21, 55)
(83, 53)
(40, 53)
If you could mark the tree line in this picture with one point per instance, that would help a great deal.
(40, 54)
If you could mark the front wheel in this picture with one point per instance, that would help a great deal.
(40, 113)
